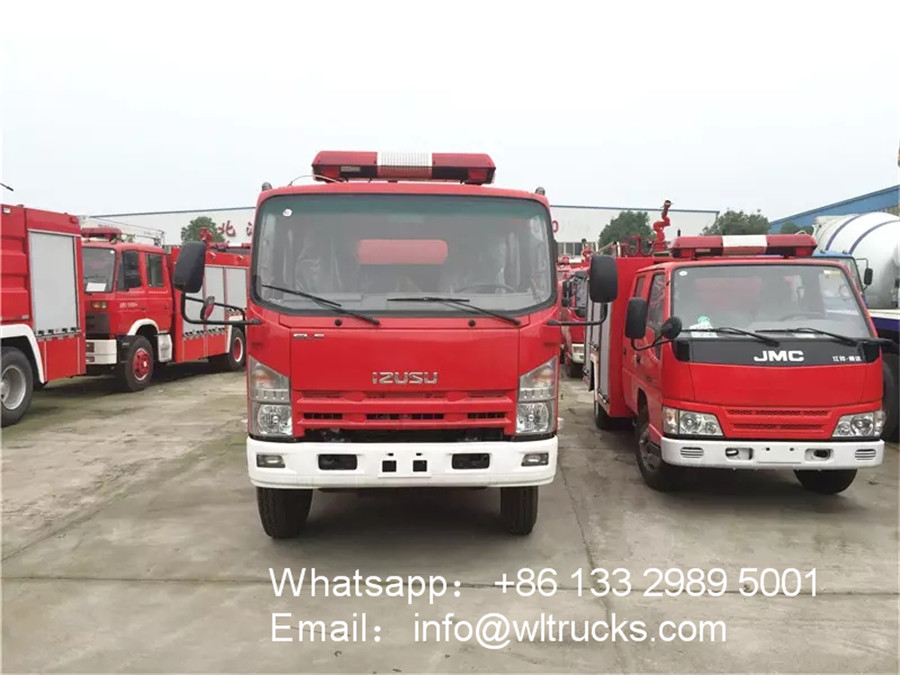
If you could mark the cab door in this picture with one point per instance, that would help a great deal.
(647, 363)
(129, 291)
(158, 292)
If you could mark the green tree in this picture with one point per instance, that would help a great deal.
(624, 225)
(738, 222)
(191, 231)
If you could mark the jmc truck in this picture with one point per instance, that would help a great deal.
(133, 323)
(401, 332)
(741, 352)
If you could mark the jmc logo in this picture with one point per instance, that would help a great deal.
(779, 356)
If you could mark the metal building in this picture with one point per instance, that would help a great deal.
(882, 200)
(572, 223)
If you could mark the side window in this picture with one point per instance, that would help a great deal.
(129, 271)
(154, 270)
(640, 287)
(656, 308)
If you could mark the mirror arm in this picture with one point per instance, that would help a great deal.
(242, 322)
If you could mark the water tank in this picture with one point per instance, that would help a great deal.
(871, 238)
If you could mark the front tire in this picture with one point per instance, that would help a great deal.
(16, 385)
(656, 472)
(601, 419)
(826, 482)
(136, 370)
(573, 370)
(519, 508)
(283, 513)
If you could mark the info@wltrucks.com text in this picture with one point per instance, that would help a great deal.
(496, 630)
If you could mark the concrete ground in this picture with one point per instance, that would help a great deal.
(131, 543)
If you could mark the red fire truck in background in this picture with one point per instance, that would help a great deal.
(740, 352)
(42, 302)
(133, 321)
(402, 331)
(573, 310)
(86, 302)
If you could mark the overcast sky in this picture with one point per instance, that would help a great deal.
(112, 107)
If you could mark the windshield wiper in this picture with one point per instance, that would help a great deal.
(852, 342)
(738, 331)
(457, 302)
(324, 302)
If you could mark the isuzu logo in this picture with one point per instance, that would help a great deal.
(779, 355)
(406, 377)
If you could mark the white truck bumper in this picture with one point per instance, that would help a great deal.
(434, 462)
(577, 353)
(736, 454)
(101, 352)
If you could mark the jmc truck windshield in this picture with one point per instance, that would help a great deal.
(767, 297)
(370, 252)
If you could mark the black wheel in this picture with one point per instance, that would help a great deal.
(16, 385)
(656, 473)
(136, 370)
(826, 482)
(519, 508)
(236, 356)
(283, 513)
(601, 419)
(891, 397)
(573, 369)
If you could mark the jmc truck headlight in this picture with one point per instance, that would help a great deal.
(688, 423)
(536, 409)
(860, 425)
(270, 407)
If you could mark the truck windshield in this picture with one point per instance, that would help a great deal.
(362, 250)
(99, 269)
(849, 262)
(768, 297)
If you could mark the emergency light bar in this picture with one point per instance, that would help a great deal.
(108, 233)
(787, 245)
(470, 168)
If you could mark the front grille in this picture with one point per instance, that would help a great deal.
(487, 416)
(773, 427)
(405, 416)
(322, 416)
(776, 412)
(402, 435)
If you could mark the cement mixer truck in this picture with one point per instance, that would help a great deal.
(871, 242)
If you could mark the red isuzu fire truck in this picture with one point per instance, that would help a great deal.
(402, 331)
(42, 303)
(133, 321)
(740, 352)
(573, 290)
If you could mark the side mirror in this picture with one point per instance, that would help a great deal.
(636, 319)
(603, 284)
(189, 268)
(867, 277)
(209, 304)
(671, 328)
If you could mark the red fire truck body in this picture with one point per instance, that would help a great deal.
(573, 310)
(43, 309)
(402, 331)
(740, 352)
(133, 321)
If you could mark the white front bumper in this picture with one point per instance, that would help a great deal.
(301, 464)
(577, 354)
(849, 454)
(101, 352)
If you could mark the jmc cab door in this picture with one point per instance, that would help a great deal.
(642, 367)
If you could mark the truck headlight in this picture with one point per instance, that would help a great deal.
(270, 406)
(860, 425)
(536, 409)
(688, 423)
